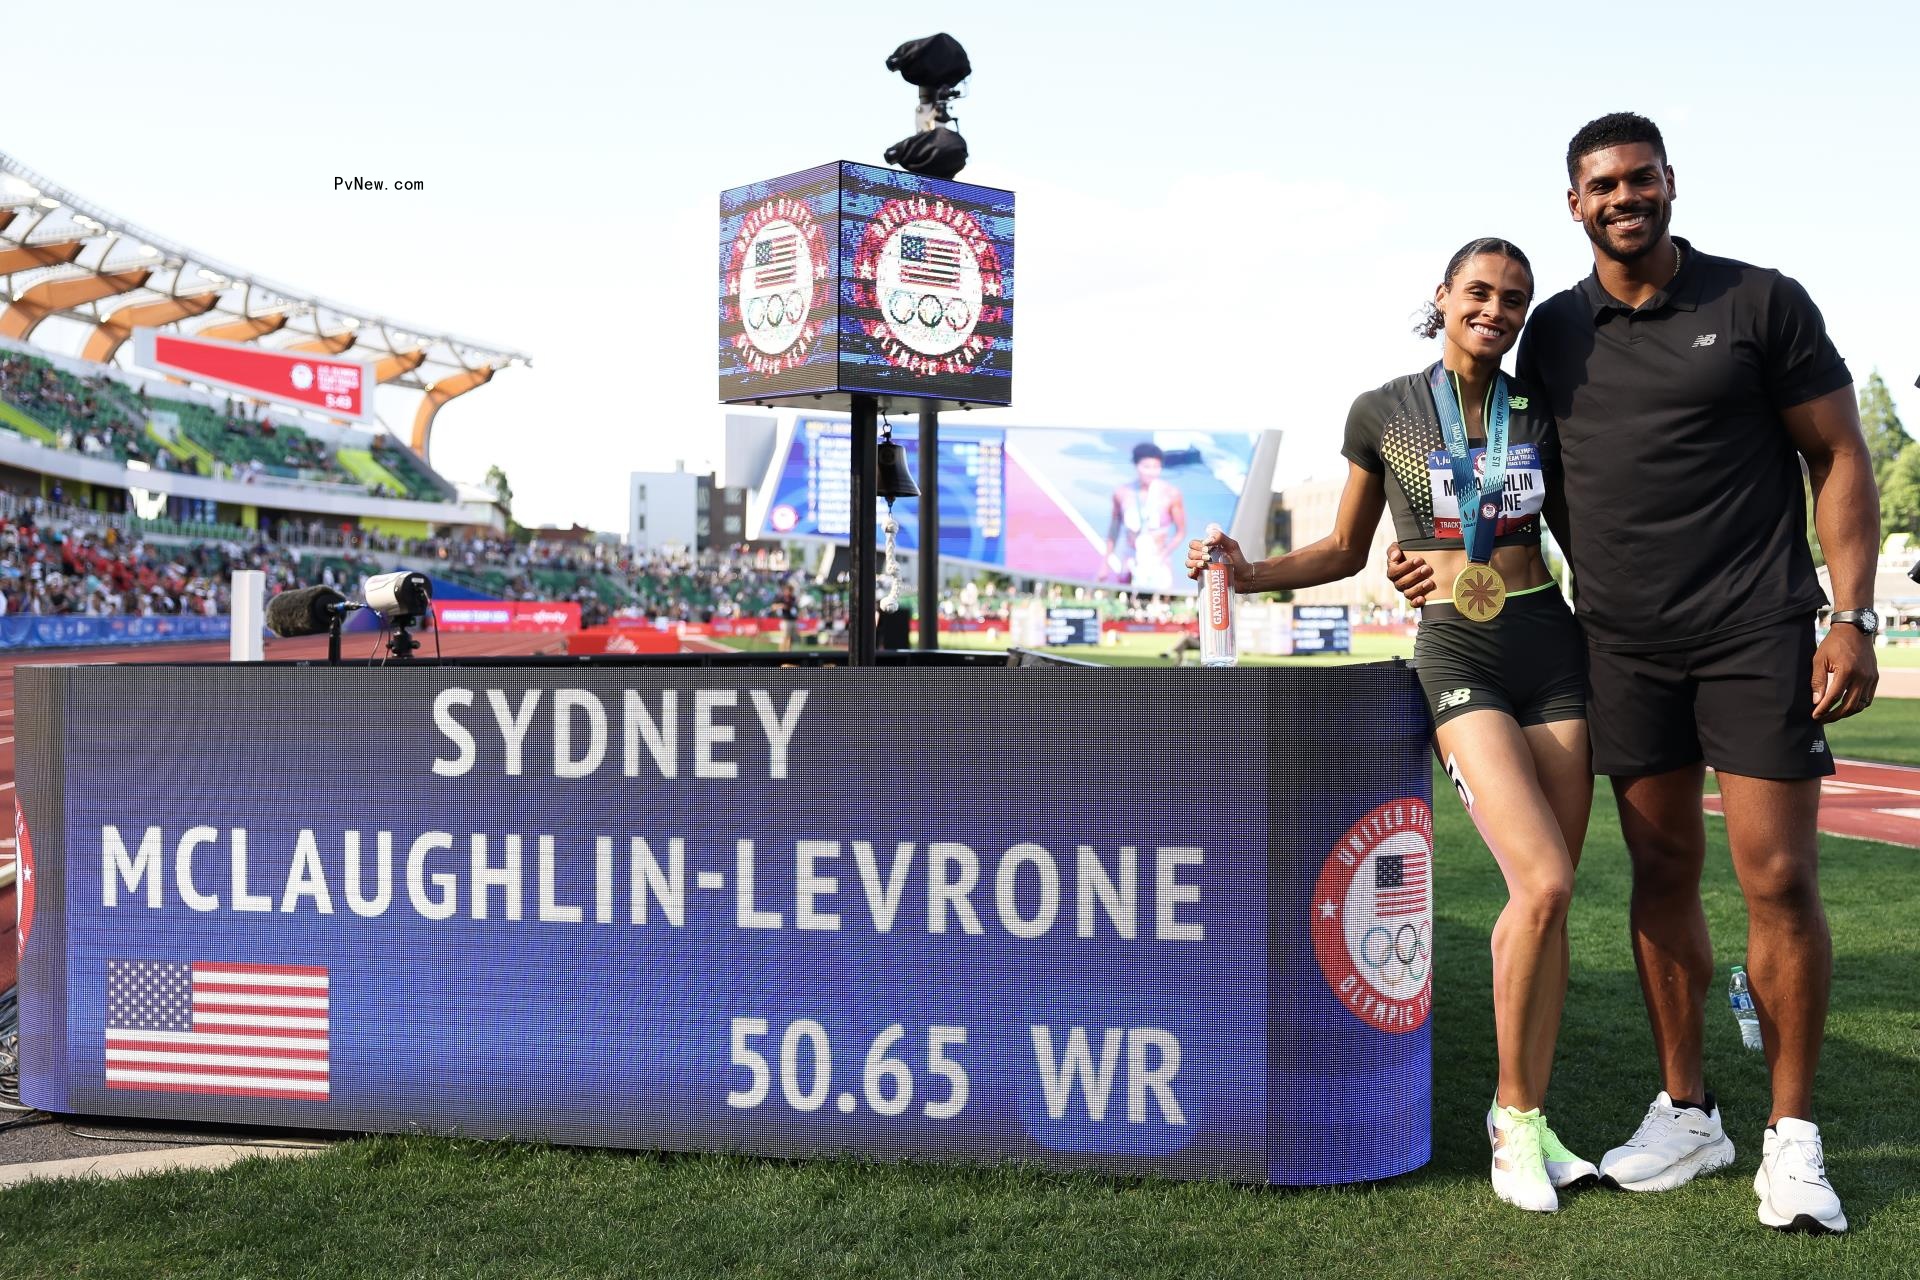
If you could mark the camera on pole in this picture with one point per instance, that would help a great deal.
(938, 66)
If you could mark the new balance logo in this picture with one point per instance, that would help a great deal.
(1819, 747)
(1453, 698)
(1705, 339)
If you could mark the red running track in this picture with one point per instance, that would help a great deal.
(1868, 802)
(357, 647)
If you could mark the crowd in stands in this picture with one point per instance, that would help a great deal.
(56, 559)
(56, 565)
(79, 412)
(99, 416)
(59, 559)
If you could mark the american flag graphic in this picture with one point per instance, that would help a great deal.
(775, 261)
(1400, 884)
(925, 260)
(245, 1030)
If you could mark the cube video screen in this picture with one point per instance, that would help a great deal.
(851, 279)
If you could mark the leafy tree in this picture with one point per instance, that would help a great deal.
(1900, 494)
(502, 491)
(1886, 436)
(503, 494)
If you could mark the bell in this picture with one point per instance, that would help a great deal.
(895, 480)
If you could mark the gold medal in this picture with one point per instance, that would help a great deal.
(1479, 593)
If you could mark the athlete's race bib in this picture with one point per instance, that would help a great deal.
(1520, 501)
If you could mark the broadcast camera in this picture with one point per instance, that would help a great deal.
(939, 67)
(403, 600)
(402, 593)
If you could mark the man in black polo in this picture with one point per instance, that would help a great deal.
(1688, 390)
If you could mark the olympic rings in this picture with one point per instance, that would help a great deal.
(930, 319)
(900, 305)
(756, 312)
(796, 307)
(1400, 952)
(958, 313)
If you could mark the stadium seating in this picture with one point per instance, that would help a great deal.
(41, 401)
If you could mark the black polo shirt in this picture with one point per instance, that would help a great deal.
(1686, 519)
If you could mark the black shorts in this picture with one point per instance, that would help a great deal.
(1530, 661)
(1743, 704)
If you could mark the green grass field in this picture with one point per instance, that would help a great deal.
(1888, 730)
(411, 1206)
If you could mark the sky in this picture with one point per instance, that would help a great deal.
(1228, 214)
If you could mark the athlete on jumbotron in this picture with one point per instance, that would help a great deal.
(1688, 389)
(1152, 514)
(1461, 454)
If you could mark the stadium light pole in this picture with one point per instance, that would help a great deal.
(929, 526)
(862, 600)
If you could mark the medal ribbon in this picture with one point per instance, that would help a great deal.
(1476, 529)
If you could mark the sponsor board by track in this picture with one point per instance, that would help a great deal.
(62, 631)
(505, 615)
(728, 909)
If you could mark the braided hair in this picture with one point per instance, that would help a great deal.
(1432, 320)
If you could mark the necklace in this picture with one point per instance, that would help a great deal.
(1678, 258)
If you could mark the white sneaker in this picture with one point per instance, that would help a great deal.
(1792, 1183)
(1519, 1163)
(1670, 1148)
(1565, 1169)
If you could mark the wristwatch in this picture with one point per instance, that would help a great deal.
(1866, 619)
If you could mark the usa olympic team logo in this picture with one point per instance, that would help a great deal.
(776, 276)
(1373, 917)
(932, 273)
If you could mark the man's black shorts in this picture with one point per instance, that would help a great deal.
(1744, 704)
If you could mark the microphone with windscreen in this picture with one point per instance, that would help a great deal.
(307, 611)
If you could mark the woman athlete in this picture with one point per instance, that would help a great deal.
(1502, 666)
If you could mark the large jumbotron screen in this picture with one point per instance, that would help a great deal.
(1101, 507)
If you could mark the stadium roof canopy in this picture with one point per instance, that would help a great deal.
(63, 257)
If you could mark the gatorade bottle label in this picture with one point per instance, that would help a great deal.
(1218, 594)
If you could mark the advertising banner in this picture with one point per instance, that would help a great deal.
(71, 630)
(338, 388)
(453, 616)
(749, 910)
(623, 640)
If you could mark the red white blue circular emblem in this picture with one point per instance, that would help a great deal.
(1372, 917)
(777, 279)
(931, 273)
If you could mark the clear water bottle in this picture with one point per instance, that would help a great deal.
(1740, 996)
(1216, 609)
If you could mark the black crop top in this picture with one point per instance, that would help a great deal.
(1396, 429)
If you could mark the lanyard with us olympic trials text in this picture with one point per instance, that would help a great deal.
(1478, 593)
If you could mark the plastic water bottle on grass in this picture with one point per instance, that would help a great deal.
(1740, 996)
(1216, 609)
